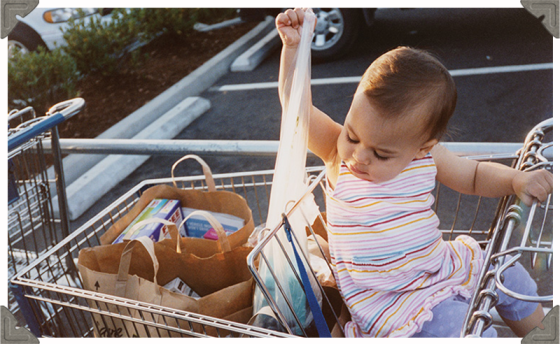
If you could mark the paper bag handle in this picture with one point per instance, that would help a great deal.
(173, 231)
(222, 237)
(205, 169)
(124, 264)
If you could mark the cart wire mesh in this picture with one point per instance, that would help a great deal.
(480, 217)
(60, 307)
(32, 226)
(521, 234)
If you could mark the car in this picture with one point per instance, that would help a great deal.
(43, 27)
(336, 31)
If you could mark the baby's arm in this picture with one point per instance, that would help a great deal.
(490, 179)
(323, 131)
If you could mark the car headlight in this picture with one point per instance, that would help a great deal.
(61, 15)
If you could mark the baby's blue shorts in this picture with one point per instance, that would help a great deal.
(449, 315)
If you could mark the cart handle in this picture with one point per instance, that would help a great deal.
(56, 115)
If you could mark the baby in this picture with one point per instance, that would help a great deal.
(396, 274)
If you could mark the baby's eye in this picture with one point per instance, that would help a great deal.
(379, 156)
(350, 139)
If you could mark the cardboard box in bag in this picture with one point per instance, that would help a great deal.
(198, 226)
(161, 208)
(179, 286)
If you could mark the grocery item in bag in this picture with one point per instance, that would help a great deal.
(179, 286)
(198, 227)
(213, 200)
(134, 270)
(158, 208)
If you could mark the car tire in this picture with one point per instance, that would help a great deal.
(24, 39)
(336, 31)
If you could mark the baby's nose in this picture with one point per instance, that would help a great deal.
(361, 157)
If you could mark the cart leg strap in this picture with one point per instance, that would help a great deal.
(320, 321)
(26, 309)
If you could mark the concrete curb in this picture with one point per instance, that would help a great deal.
(195, 83)
(250, 59)
(111, 170)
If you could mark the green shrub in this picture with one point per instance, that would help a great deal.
(155, 21)
(41, 79)
(215, 15)
(175, 21)
(97, 46)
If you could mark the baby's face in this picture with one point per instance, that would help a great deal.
(375, 148)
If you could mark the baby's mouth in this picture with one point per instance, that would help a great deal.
(355, 170)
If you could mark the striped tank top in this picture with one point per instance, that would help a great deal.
(390, 262)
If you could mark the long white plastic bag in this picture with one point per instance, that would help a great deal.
(289, 184)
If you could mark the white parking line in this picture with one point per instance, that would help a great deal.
(356, 79)
(504, 69)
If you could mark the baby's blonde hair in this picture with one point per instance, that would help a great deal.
(407, 80)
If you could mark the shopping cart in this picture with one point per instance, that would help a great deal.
(32, 226)
(502, 227)
(60, 307)
(520, 234)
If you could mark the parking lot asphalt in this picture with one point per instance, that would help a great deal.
(492, 106)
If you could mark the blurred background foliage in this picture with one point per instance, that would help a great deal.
(43, 78)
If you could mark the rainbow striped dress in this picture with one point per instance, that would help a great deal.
(388, 256)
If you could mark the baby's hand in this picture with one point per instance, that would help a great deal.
(530, 186)
(289, 25)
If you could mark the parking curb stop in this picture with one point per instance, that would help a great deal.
(252, 58)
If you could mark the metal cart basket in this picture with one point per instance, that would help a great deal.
(32, 224)
(59, 307)
(520, 234)
(502, 227)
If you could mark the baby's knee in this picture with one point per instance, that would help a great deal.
(516, 279)
(448, 318)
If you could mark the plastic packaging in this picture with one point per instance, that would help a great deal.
(289, 185)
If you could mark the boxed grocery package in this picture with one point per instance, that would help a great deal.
(159, 208)
(198, 226)
(178, 286)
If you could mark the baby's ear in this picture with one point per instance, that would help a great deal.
(426, 148)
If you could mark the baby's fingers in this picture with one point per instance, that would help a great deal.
(526, 199)
(545, 180)
(542, 185)
(540, 192)
(549, 180)
(282, 19)
(295, 17)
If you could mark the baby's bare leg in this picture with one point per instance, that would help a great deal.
(527, 324)
(521, 316)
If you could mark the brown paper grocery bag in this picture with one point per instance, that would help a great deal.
(341, 315)
(216, 201)
(136, 272)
